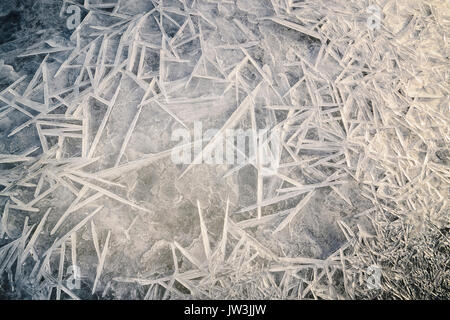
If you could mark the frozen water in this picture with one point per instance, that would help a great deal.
(86, 125)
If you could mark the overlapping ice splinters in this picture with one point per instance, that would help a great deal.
(354, 104)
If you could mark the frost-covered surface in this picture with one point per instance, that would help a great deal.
(85, 144)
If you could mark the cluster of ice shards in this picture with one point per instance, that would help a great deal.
(87, 177)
